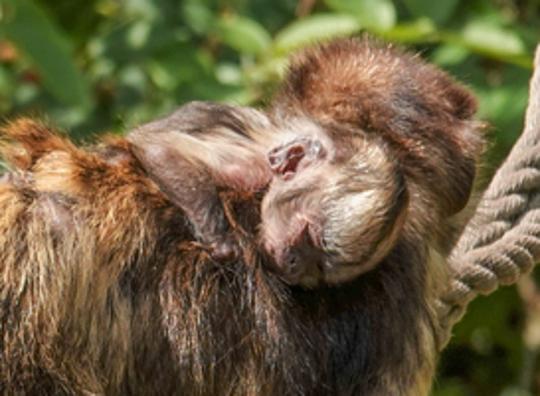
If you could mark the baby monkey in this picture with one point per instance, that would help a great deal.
(364, 146)
(332, 205)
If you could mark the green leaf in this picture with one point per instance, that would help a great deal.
(244, 35)
(172, 68)
(229, 73)
(439, 11)
(313, 29)
(197, 16)
(29, 28)
(492, 39)
(379, 15)
(138, 34)
(420, 30)
(448, 55)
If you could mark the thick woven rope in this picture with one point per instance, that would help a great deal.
(502, 241)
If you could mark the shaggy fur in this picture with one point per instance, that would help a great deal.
(103, 289)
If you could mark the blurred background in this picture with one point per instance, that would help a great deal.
(92, 66)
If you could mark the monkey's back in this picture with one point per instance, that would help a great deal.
(103, 291)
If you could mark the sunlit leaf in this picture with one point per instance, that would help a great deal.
(315, 28)
(448, 54)
(25, 93)
(244, 35)
(420, 30)
(270, 71)
(439, 11)
(29, 28)
(198, 16)
(212, 90)
(141, 9)
(133, 76)
(162, 76)
(69, 117)
(374, 14)
(138, 34)
(489, 37)
(228, 73)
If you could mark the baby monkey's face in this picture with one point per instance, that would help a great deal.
(292, 231)
(331, 213)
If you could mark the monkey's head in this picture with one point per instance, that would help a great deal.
(425, 118)
(391, 153)
(335, 206)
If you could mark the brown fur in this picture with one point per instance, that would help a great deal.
(198, 151)
(364, 93)
(334, 210)
(419, 111)
(103, 290)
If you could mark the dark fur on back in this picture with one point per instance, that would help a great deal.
(103, 293)
(103, 290)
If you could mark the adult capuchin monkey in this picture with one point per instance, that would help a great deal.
(144, 263)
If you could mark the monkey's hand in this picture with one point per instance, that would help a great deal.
(197, 151)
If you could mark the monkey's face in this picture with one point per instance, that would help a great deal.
(331, 213)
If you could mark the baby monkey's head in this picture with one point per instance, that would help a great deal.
(335, 205)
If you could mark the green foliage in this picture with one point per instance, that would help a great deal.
(313, 29)
(244, 35)
(98, 65)
(377, 15)
(438, 11)
(29, 29)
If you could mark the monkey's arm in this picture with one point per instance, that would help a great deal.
(191, 188)
(198, 150)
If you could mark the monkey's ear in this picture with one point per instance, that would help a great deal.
(458, 187)
(471, 141)
(458, 174)
(464, 104)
